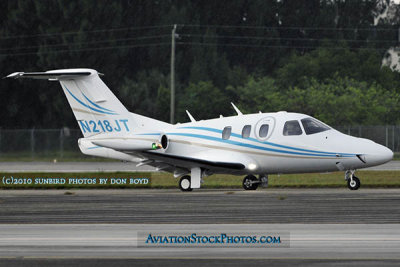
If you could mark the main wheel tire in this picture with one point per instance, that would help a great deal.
(353, 184)
(184, 183)
(248, 182)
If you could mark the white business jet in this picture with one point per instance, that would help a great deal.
(246, 144)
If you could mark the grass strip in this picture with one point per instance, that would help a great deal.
(69, 157)
(166, 180)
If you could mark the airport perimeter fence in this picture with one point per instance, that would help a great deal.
(55, 144)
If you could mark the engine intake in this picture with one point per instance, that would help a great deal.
(164, 141)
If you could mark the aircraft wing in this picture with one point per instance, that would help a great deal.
(188, 161)
(151, 154)
(211, 160)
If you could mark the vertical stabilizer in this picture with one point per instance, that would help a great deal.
(95, 107)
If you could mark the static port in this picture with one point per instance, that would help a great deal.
(164, 141)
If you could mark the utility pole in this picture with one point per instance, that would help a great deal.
(172, 105)
(398, 35)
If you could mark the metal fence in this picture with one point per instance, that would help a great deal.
(387, 135)
(62, 143)
(40, 143)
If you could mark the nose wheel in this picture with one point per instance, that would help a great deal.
(353, 183)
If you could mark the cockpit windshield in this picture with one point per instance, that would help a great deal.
(312, 126)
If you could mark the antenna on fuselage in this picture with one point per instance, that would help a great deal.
(190, 116)
(236, 109)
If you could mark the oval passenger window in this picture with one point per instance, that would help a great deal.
(263, 130)
(246, 131)
(226, 133)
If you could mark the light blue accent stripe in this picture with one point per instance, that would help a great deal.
(96, 105)
(89, 107)
(93, 147)
(269, 143)
(249, 145)
(149, 134)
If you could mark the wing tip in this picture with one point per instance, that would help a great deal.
(14, 75)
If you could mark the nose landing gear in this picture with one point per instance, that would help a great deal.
(353, 183)
(250, 182)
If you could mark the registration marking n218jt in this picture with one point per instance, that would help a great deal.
(98, 126)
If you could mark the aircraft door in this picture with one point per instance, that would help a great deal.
(264, 128)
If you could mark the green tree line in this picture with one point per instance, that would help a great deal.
(322, 58)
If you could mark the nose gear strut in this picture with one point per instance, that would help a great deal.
(353, 183)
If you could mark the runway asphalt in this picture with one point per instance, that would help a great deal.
(329, 227)
(200, 206)
(114, 167)
(35, 262)
(108, 241)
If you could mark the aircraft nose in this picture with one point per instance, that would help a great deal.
(380, 155)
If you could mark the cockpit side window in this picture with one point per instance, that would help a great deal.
(246, 131)
(312, 126)
(226, 133)
(292, 128)
(263, 130)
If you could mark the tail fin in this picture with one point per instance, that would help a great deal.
(95, 107)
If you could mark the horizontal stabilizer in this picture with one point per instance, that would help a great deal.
(123, 144)
(88, 148)
(51, 75)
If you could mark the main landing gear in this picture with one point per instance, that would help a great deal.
(194, 180)
(250, 182)
(353, 183)
(184, 183)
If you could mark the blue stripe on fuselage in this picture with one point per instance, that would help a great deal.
(269, 143)
(217, 139)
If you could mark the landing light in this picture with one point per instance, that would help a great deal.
(252, 166)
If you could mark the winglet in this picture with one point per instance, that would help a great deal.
(190, 116)
(236, 109)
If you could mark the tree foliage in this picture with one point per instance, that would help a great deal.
(317, 57)
(336, 101)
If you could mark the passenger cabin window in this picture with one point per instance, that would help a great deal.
(263, 130)
(246, 131)
(292, 128)
(226, 133)
(312, 126)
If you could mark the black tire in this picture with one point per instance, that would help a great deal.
(184, 183)
(248, 182)
(355, 184)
